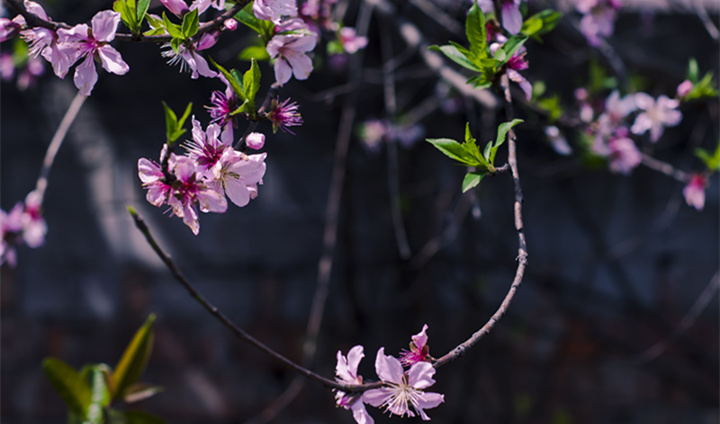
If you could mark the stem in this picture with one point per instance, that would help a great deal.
(239, 332)
(522, 245)
(56, 142)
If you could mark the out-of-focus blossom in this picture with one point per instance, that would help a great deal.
(694, 191)
(598, 19)
(372, 132)
(10, 27)
(89, 43)
(290, 54)
(350, 41)
(284, 114)
(407, 135)
(405, 394)
(511, 16)
(255, 140)
(23, 224)
(274, 10)
(188, 57)
(346, 372)
(557, 140)
(656, 115)
(624, 156)
(419, 350)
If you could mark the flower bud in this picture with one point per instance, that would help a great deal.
(255, 140)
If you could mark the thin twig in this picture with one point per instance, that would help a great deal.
(705, 19)
(688, 320)
(392, 148)
(56, 142)
(665, 168)
(522, 245)
(239, 332)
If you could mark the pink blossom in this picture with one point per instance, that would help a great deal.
(557, 140)
(657, 115)
(273, 10)
(230, 24)
(180, 8)
(694, 191)
(23, 224)
(33, 224)
(511, 17)
(222, 105)
(188, 57)
(176, 7)
(599, 19)
(372, 133)
(206, 147)
(289, 52)
(419, 350)
(188, 191)
(518, 63)
(255, 140)
(350, 41)
(346, 372)
(153, 179)
(91, 44)
(623, 155)
(238, 175)
(405, 395)
(284, 114)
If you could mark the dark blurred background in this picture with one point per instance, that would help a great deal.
(615, 262)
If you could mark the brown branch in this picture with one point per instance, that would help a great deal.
(665, 168)
(212, 25)
(522, 245)
(239, 332)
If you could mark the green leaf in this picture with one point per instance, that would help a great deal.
(190, 24)
(234, 82)
(126, 8)
(476, 31)
(453, 150)
(254, 52)
(100, 394)
(142, 8)
(266, 29)
(503, 129)
(251, 84)
(171, 28)
(186, 114)
(456, 56)
(693, 70)
(171, 124)
(541, 22)
(711, 161)
(471, 180)
(134, 359)
(702, 89)
(69, 384)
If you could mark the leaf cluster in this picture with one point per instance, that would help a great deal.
(702, 88)
(173, 125)
(712, 161)
(89, 392)
(468, 153)
(132, 14)
(245, 87)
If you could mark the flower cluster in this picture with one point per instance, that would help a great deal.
(23, 224)
(403, 392)
(65, 47)
(609, 127)
(211, 170)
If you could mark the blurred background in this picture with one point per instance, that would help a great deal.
(594, 334)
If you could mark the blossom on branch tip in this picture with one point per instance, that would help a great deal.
(289, 52)
(91, 42)
(23, 224)
(405, 395)
(684, 88)
(694, 191)
(238, 175)
(419, 350)
(346, 372)
(656, 115)
(284, 114)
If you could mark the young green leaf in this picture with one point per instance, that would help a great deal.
(471, 180)
(541, 23)
(142, 8)
(453, 150)
(711, 161)
(454, 54)
(126, 8)
(100, 395)
(476, 31)
(171, 28)
(190, 24)
(69, 384)
(503, 129)
(134, 359)
(693, 70)
(265, 29)
(235, 83)
(251, 83)
(254, 52)
(186, 114)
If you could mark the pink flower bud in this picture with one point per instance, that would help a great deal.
(230, 24)
(255, 140)
(684, 88)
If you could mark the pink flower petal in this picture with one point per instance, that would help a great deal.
(104, 25)
(388, 368)
(86, 76)
(237, 192)
(112, 61)
(376, 397)
(283, 71)
(420, 375)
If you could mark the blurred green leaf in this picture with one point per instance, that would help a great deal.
(69, 384)
(471, 180)
(454, 54)
(134, 359)
(254, 52)
(711, 161)
(139, 417)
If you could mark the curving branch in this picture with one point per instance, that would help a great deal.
(238, 331)
(522, 245)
